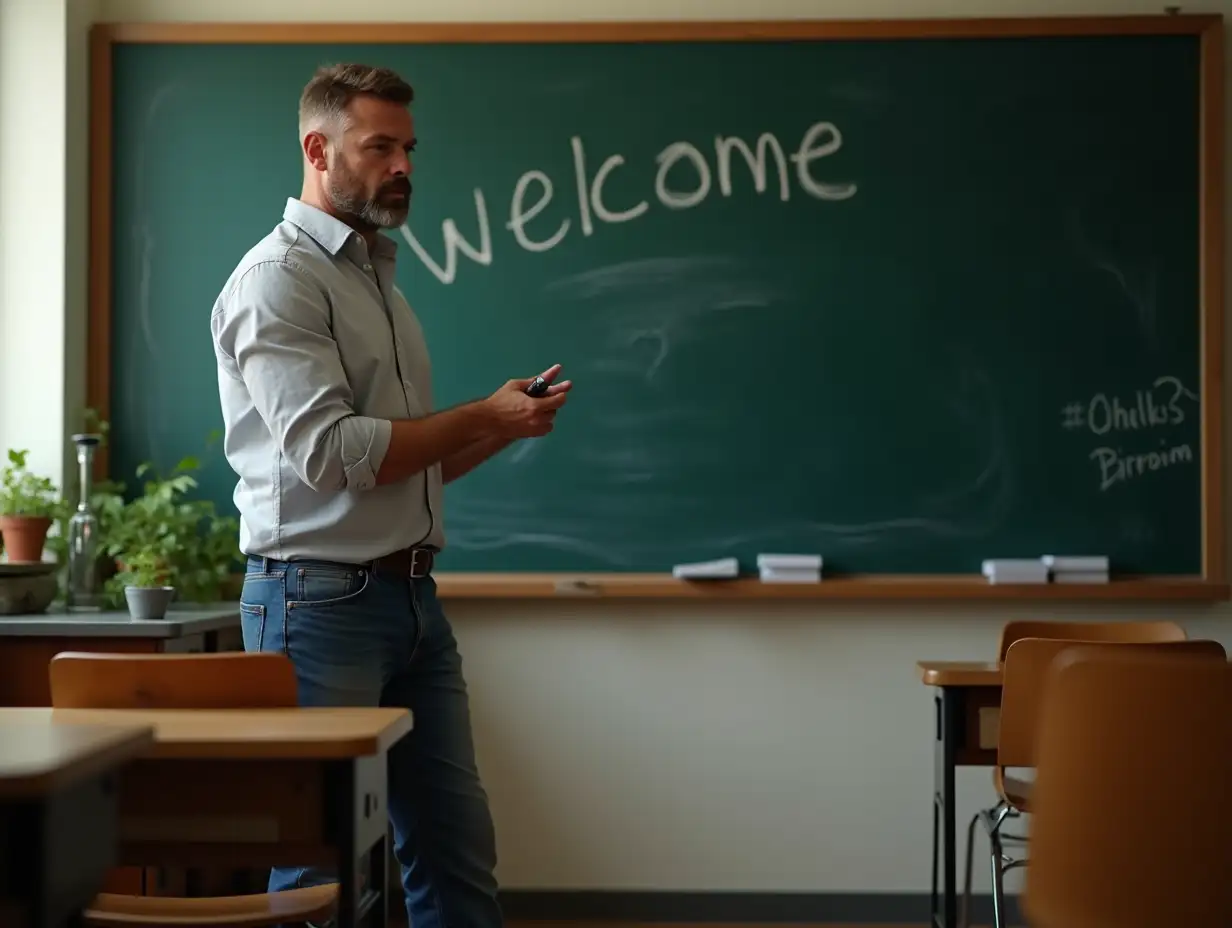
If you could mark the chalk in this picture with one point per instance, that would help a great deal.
(773, 575)
(1083, 563)
(723, 568)
(790, 561)
(789, 568)
(1080, 576)
(1015, 570)
(576, 586)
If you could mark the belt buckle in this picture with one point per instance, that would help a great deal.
(421, 563)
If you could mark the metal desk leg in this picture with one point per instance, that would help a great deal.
(949, 703)
(378, 883)
(355, 810)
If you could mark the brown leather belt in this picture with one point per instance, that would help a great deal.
(409, 563)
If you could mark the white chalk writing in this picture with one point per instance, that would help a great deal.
(454, 242)
(1154, 408)
(684, 179)
(1117, 467)
(1164, 405)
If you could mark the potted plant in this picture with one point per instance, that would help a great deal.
(145, 579)
(196, 546)
(29, 504)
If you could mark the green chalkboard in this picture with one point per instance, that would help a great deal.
(960, 317)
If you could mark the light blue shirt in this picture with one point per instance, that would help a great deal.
(317, 351)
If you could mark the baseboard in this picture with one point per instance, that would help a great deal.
(735, 907)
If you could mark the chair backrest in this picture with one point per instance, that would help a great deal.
(1130, 815)
(1025, 676)
(1144, 632)
(228, 680)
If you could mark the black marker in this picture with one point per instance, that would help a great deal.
(537, 388)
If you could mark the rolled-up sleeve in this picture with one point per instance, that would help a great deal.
(274, 327)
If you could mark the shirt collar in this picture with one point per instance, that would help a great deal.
(330, 233)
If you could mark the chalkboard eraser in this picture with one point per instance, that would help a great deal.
(724, 568)
(1069, 562)
(576, 587)
(1015, 570)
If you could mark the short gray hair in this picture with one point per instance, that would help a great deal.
(326, 97)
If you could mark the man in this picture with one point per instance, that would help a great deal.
(326, 396)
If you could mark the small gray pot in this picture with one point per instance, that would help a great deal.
(148, 602)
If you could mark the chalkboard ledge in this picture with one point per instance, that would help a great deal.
(467, 586)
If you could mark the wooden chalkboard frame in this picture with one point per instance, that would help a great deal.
(1211, 585)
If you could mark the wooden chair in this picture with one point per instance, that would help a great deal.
(1136, 632)
(1130, 812)
(1027, 666)
(230, 680)
(1140, 632)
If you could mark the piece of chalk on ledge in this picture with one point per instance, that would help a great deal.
(575, 586)
(1023, 565)
(1015, 570)
(1080, 576)
(789, 575)
(724, 568)
(1063, 563)
(789, 568)
(789, 561)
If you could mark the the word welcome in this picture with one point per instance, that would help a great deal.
(820, 140)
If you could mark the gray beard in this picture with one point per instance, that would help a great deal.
(369, 212)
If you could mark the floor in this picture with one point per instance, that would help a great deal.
(601, 924)
(615, 924)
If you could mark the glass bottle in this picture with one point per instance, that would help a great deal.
(83, 593)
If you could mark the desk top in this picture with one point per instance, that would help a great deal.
(254, 734)
(180, 622)
(960, 673)
(39, 755)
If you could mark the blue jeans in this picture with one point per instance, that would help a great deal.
(359, 639)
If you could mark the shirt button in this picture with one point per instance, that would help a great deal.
(367, 267)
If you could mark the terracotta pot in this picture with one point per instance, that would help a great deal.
(24, 537)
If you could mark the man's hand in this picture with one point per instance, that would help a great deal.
(513, 414)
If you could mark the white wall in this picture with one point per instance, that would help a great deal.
(776, 747)
(43, 235)
(33, 166)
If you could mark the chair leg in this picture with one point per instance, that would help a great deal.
(992, 819)
(964, 911)
(998, 878)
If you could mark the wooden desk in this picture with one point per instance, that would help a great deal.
(29, 642)
(58, 812)
(968, 702)
(261, 788)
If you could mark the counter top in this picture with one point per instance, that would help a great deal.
(180, 622)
